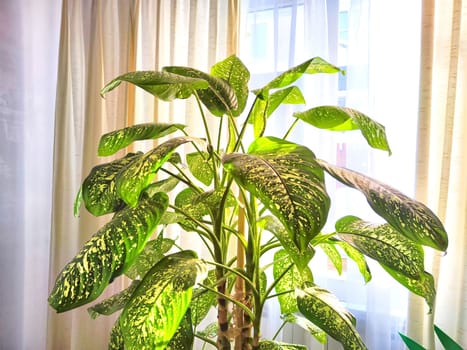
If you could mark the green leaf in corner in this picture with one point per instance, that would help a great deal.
(184, 337)
(78, 201)
(116, 337)
(135, 177)
(302, 322)
(411, 218)
(234, 72)
(275, 345)
(219, 98)
(118, 139)
(107, 254)
(164, 85)
(424, 286)
(286, 178)
(411, 344)
(343, 119)
(200, 167)
(99, 187)
(446, 340)
(324, 310)
(384, 244)
(152, 316)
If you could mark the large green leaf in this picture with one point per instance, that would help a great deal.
(286, 178)
(424, 286)
(275, 345)
(118, 139)
(135, 177)
(290, 278)
(107, 254)
(233, 71)
(384, 244)
(311, 66)
(219, 97)
(200, 166)
(324, 310)
(116, 337)
(114, 303)
(98, 191)
(304, 323)
(184, 337)
(411, 218)
(343, 119)
(153, 314)
(446, 340)
(164, 85)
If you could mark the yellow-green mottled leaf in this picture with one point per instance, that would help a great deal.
(275, 345)
(118, 139)
(357, 257)
(203, 299)
(384, 244)
(333, 254)
(324, 310)
(200, 166)
(342, 119)
(135, 177)
(233, 71)
(302, 322)
(164, 85)
(184, 336)
(424, 286)
(219, 97)
(116, 337)
(153, 314)
(289, 182)
(107, 254)
(99, 192)
(411, 218)
(165, 185)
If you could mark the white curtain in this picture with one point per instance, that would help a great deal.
(99, 41)
(28, 68)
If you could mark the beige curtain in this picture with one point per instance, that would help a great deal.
(100, 40)
(442, 163)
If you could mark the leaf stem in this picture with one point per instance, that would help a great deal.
(279, 330)
(290, 129)
(203, 116)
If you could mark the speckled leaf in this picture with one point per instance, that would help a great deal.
(210, 331)
(118, 139)
(311, 66)
(233, 71)
(107, 254)
(273, 225)
(200, 166)
(219, 97)
(286, 178)
(384, 244)
(302, 322)
(289, 281)
(116, 337)
(78, 201)
(357, 257)
(184, 336)
(333, 254)
(411, 218)
(99, 192)
(342, 119)
(135, 177)
(165, 185)
(324, 310)
(203, 299)
(164, 85)
(424, 286)
(153, 252)
(275, 345)
(153, 314)
(114, 303)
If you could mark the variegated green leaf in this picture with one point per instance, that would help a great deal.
(165, 185)
(135, 177)
(357, 257)
(342, 119)
(99, 192)
(210, 331)
(107, 254)
(114, 303)
(288, 278)
(153, 314)
(411, 218)
(153, 252)
(424, 286)
(118, 139)
(219, 97)
(286, 178)
(233, 71)
(116, 337)
(384, 244)
(275, 345)
(302, 322)
(200, 166)
(184, 336)
(333, 254)
(203, 299)
(324, 310)
(273, 225)
(311, 66)
(164, 85)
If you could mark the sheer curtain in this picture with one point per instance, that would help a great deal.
(100, 40)
(382, 64)
(442, 162)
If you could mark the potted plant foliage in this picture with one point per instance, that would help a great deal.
(269, 196)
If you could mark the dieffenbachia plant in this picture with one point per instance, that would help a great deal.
(268, 196)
